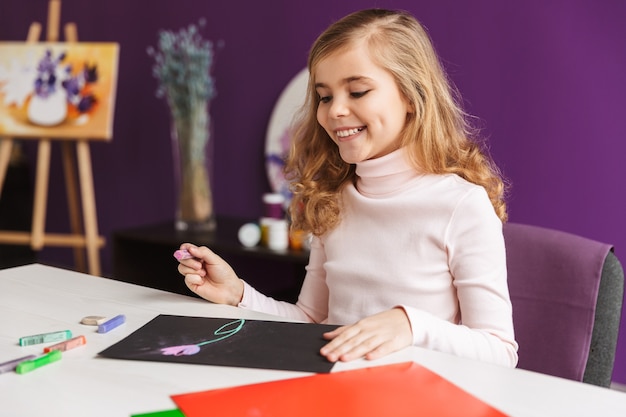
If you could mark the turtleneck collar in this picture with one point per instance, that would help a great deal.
(387, 174)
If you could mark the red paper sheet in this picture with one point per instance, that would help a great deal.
(404, 389)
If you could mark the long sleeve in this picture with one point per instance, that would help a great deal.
(254, 300)
(477, 260)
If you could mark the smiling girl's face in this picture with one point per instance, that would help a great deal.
(360, 107)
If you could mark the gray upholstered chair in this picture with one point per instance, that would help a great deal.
(567, 293)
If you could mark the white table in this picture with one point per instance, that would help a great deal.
(36, 299)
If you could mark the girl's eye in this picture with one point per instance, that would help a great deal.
(325, 99)
(359, 94)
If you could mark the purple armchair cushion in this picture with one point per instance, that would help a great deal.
(553, 280)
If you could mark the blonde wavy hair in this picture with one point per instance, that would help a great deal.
(437, 135)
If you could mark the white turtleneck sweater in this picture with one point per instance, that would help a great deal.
(431, 244)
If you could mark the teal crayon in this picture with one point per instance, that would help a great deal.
(45, 338)
(38, 362)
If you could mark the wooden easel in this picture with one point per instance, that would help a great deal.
(87, 240)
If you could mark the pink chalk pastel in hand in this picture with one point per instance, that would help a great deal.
(182, 254)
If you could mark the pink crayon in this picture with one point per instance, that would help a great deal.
(182, 254)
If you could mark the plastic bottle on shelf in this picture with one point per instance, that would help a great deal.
(277, 234)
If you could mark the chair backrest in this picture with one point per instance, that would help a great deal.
(567, 293)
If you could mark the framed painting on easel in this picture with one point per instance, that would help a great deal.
(58, 89)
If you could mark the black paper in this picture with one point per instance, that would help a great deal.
(256, 344)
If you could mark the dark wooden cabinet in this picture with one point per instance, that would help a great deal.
(16, 202)
(144, 256)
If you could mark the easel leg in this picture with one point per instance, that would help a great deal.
(88, 196)
(41, 194)
(54, 18)
(89, 206)
(43, 151)
(6, 145)
(34, 31)
(73, 204)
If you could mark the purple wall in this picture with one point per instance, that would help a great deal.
(547, 79)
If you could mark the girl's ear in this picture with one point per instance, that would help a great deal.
(410, 106)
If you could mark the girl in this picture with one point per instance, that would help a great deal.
(405, 209)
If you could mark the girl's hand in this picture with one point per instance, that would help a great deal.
(209, 276)
(373, 337)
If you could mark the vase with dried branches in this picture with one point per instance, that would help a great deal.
(183, 62)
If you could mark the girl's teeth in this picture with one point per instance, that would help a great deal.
(344, 133)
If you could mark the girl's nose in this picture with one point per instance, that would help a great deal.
(338, 108)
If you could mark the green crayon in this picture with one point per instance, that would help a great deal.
(31, 365)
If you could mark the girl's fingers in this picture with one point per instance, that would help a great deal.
(334, 333)
(192, 279)
(344, 340)
(195, 268)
